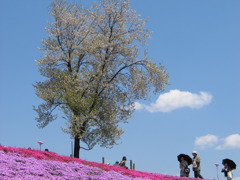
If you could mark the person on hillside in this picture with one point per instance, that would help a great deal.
(196, 165)
(227, 171)
(116, 163)
(123, 162)
(183, 166)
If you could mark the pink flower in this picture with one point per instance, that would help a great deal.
(20, 163)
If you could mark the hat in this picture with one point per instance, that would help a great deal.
(194, 152)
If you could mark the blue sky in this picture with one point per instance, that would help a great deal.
(198, 42)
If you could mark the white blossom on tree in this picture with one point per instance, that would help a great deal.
(96, 66)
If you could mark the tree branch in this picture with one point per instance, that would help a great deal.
(141, 62)
(87, 149)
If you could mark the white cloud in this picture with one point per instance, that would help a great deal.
(212, 141)
(230, 142)
(207, 141)
(176, 99)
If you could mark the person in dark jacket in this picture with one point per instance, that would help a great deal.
(227, 171)
(123, 162)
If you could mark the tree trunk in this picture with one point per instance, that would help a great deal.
(76, 146)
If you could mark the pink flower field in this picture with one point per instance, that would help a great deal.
(20, 163)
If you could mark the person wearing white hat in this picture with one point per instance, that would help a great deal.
(196, 165)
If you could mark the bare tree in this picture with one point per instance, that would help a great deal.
(96, 66)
